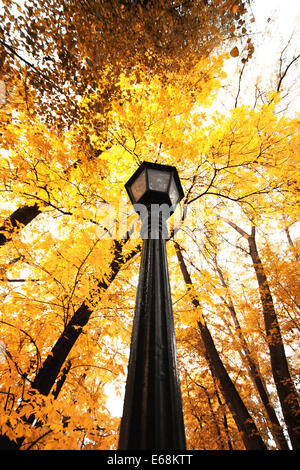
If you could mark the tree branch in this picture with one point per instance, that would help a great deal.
(286, 70)
(15, 53)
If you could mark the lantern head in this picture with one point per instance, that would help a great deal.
(153, 183)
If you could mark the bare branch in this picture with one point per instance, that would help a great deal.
(286, 70)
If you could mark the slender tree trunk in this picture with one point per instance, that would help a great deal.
(214, 418)
(286, 390)
(225, 423)
(245, 424)
(254, 372)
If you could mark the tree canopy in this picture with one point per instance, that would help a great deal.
(63, 49)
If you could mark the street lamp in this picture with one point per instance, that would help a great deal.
(152, 412)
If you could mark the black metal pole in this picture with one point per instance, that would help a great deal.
(152, 413)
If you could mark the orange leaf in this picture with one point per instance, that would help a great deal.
(234, 52)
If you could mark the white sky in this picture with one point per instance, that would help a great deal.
(286, 13)
(285, 20)
(275, 23)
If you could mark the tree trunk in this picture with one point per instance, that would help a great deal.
(286, 389)
(50, 369)
(61, 380)
(254, 372)
(245, 424)
(24, 215)
(291, 243)
(225, 423)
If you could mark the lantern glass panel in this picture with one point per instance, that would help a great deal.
(173, 193)
(158, 180)
(138, 187)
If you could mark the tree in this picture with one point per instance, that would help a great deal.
(63, 50)
(253, 368)
(285, 386)
(244, 422)
(71, 55)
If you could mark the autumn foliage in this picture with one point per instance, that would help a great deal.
(78, 118)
